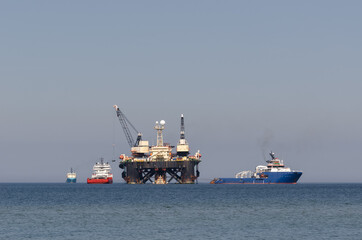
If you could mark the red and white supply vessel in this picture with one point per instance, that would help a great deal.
(101, 174)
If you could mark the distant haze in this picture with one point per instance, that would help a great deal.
(249, 77)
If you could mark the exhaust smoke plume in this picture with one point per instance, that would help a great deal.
(265, 142)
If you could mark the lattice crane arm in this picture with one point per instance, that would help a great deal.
(124, 123)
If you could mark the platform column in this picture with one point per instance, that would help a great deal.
(187, 174)
(132, 174)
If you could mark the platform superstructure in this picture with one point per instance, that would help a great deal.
(158, 164)
(274, 172)
(101, 174)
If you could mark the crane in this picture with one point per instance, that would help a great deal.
(124, 123)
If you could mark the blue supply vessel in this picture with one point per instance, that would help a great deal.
(71, 177)
(274, 172)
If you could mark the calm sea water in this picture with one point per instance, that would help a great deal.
(202, 211)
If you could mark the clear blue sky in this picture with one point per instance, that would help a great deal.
(249, 76)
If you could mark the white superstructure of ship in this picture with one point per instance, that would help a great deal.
(71, 177)
(101, 173)
(274, 165)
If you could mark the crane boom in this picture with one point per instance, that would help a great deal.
(124, 123)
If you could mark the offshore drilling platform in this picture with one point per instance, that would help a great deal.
(157, 164)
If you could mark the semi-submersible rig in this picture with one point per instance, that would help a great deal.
(157, 164)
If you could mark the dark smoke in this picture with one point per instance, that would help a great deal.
(265, 142)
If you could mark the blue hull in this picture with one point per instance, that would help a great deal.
(272, 177)
(71, 180)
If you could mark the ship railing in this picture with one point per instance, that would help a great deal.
(244, 174)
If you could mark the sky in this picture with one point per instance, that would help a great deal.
(249, 77)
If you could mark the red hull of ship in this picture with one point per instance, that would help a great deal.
(99, 181)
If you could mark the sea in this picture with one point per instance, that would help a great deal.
(173, 211)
